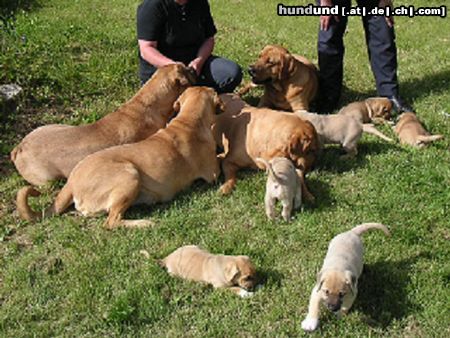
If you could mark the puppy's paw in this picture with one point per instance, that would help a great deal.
(225, 189)
(310, 324)
(245, 294)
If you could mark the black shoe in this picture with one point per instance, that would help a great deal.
(399, 106)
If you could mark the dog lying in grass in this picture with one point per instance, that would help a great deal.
(337, 281)
(51, 152)
(411, 132)
(340, 129)
(283, 184)
(150, 171)
(235, 273)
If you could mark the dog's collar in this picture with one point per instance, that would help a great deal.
(369, 110)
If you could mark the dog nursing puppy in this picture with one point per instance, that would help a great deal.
(150, 171)
(283, 184)
(340, 129)
(51, 152)
(338, 279)
(290, 81)
(411, 132)
(235, 273)
(253, 132)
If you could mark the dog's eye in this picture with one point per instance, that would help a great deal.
(327, 292)
(341, 294)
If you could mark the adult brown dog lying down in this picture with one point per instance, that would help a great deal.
(373, 109)
(150, 171)
(250, 133)
(236, 273)
(290, 81)
(51, 152)
(410, 131)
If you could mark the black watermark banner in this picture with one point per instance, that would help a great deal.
(409, 11)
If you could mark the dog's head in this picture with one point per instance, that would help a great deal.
(380, 107)
(275, 63)
(240, 271)
(303, 147)
(175, 75)
(203, 101)
(333, 286)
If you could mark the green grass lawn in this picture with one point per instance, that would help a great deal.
(66, 276)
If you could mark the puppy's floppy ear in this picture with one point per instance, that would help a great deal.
(231, 271)
(289, 66)
(319, 281)
(177, 106)
(350, 280)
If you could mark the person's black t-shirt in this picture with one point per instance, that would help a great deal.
(178, 30)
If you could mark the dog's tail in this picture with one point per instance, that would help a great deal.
(360, 229)
(269, 169)
(370, 129)
(61, 203)
(428, 138)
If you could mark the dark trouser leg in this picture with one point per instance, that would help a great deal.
(331, 55)
(380, 39)
(221, 74)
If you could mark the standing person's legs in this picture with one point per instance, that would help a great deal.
(331, 55)
(221, 74)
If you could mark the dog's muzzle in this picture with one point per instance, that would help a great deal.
(334, 307)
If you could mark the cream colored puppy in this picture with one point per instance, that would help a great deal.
(236, 273)
(340, 129)
(410, 131)
(283, 184)
(370, 110)
(338, 279)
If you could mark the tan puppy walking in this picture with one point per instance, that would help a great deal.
(337, 281)
(290, 81)
(51, 152)
(411, 132)
(150, 171)
(235, 273)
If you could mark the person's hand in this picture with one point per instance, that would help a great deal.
(325, 19)
(384, 4)
(197, 65)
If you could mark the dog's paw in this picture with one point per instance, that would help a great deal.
(310, 324)
(245, 294)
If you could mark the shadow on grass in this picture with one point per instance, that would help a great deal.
(382, 294)
(269, 277)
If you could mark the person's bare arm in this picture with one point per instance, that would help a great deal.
(152, 55)
(384, 4)
(203, 53)
(325, 19)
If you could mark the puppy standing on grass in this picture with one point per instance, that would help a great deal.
(236, 273)
(410, 131)
(337, 280)
(283, 184)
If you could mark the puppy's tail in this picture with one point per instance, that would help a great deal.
(360, 229)
(370, 129)
(428, 138)
(61, 203)
(269, 169)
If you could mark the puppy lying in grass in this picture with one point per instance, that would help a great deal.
(340, 129)
(338, 279)
(235, 273)
(410, 131)
(283, 184)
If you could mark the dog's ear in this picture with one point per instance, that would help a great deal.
(350, 280)
(177, 106)
(289, 66)
(231, 271)
(319, 281)
(220, 107)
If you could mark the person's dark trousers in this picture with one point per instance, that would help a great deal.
(219, 73)
(380, 40)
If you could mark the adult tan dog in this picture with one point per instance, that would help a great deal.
(340, 129)
(338, 279)
(51, 152)
(290, 81)
(411, 132)
(150, 171)
(373, 109)
(251, 132)
(235, 273)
